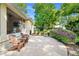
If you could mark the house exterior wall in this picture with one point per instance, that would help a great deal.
(3, 25)
(3, 22)
(32, 29)
(16, 10)
(28, 26)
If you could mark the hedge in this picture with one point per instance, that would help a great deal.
(64, 36)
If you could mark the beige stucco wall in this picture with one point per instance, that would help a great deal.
(3, 22)
(28, 26)
(3, 26)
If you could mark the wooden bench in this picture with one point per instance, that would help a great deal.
(18, 44)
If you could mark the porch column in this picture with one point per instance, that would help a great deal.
(28, 26)
(3, 23)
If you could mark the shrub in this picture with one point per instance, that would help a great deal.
(64, 36)
(77, 39)
(73, 26)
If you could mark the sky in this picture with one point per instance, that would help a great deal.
(30, 10)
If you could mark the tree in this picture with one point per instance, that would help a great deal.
(73, 24)
(70, 12)
(69, 8)
(45, 15)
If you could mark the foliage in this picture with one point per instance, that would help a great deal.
(64, 36)
(45, 16)
(77, 39)
(59, 37)
(73, 24)
(69, 8)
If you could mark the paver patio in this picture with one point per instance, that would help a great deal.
(41, 46)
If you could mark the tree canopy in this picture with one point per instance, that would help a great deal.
(69, 8)
(72, 11)
(45, 15)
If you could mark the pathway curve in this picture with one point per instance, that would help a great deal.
(41, 46)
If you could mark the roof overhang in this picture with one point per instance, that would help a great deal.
(13, 7)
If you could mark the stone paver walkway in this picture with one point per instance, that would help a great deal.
(41, 46)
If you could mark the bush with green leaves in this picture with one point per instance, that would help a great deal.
(73, 26)
(64, 36)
